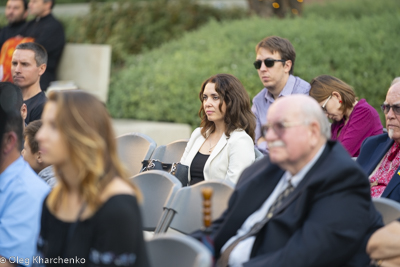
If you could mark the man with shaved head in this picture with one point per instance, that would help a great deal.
(307, 205)
(379, 155)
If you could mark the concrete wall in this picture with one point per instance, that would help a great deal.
(161, 132)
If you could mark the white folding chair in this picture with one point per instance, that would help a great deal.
(388, 208)
(157, 187)
(258, 154)
(170, 153)
(169, 250)
(185, 211)
(133, 148)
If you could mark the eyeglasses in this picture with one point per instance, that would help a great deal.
(386, 107)
(279, 127)
(324, 105)
(269, 63)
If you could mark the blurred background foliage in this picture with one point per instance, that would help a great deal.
(356, 41)
(133, 27)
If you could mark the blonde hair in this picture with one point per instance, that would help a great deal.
(85, 126)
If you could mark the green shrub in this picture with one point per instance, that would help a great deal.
(163, 84)
(351, 9)
(132, 27)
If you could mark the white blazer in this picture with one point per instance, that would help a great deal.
(228, 159)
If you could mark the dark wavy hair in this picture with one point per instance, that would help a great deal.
(238, 112)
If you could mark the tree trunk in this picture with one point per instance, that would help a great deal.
(262, 8)
(267, 8)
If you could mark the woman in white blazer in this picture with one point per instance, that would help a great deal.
(223, 146)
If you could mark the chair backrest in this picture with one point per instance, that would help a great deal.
(258, 154)
(133, 148)
(388, 208)
(169, 250)
(186, 209)
(157, 187)
(170, 153)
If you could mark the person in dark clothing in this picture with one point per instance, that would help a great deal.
(49, 32)
(16, 12)
(77, 138)
(27, 66)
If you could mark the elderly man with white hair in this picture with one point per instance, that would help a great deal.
(307, 205)
(379, 155)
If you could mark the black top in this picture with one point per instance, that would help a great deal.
(35, 106)
(48, 32)
(113, 236)
(11, 30)
(197, 168)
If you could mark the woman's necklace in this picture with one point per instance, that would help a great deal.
(211, 147)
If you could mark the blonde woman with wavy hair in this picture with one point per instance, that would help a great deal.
(92, 213)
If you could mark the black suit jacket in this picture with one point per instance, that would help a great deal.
(326, 221)
(372, 151)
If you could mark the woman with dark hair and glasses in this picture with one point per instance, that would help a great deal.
(353, 119)
(223, 146)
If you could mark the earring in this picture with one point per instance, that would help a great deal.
(340, 101)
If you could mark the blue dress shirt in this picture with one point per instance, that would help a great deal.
(21, 197)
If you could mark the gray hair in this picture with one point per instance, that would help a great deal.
(395, 80)
(314, 112)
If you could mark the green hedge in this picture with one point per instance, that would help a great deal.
(163, 84)
(134, 26)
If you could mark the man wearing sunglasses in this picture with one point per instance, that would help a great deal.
(274, 63)
(379, 155)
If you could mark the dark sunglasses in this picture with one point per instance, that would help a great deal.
(269, 63)
(386, 107)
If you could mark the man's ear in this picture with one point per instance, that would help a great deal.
(315, 131)
(25, 14)
(288, 65)
(42, 69)
(10, 141)
(48, 4)
(24, 111)
(39, 157)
